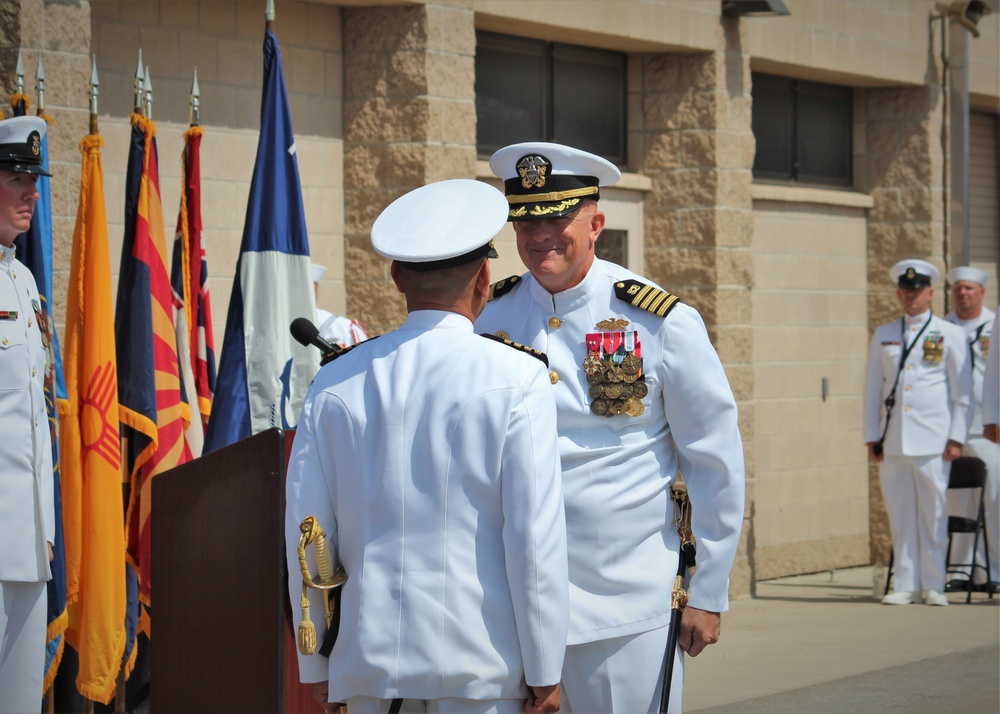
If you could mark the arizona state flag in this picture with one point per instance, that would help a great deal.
(263, 372)
(152, 413)
(90, 454)
(192, 307)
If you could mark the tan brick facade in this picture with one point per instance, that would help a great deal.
(790, 279)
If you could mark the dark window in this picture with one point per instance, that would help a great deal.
(529, 90)
(612, 245)
(803, 131)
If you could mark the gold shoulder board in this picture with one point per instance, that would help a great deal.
(646, 297)
(502, 287)
(341, 351)
(537, 354)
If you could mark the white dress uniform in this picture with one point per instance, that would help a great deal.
(27, 515)
(932, 405)
(339, 330)
(991, 380)
(965, 502)
(617, 471)
(430, 457)
(453, 540)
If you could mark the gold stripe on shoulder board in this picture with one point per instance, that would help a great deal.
(646, 297)
(502, 287)
(502, 338)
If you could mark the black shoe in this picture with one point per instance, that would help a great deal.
(957, 586)
(993, 587)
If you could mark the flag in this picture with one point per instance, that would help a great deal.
(90, 453)
(152, 414)
(263, 372)
(34, 249)
(192, 307)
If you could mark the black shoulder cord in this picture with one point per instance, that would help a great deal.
(972, 344)
(890, 401)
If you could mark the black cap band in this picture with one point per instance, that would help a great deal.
(483, 251)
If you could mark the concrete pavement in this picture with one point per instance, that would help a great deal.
(821, 643)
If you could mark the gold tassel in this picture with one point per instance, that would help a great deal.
(307, 630)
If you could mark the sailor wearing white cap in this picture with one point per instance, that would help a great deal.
(429, 454)
(335, 329)
(27, 509)
(917, 406)
(640, 393)
(968, 288)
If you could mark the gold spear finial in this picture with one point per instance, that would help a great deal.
(195, 114)
(93, 95)
(40, 85)
(139, 76)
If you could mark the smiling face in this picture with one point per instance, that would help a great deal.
(17, 204)
(915, 301)
(559, 251)
(968, 297)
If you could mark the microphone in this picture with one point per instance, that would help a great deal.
(306, 333)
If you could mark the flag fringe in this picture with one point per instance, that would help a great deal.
(53, 670)
(103, 690)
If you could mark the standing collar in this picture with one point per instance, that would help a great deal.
(423, 320)
(917, 319)
(7, 254)
(574, 297)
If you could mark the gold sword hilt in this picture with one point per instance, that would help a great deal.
(328, 579)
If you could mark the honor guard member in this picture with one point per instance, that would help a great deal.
(640, 395)
(968, 288)
(917, 407)
(991, 389)
(27, 509)
(430, 456)
(335, 329)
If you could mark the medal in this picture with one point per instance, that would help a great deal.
(640, 390)
(613, 368)
(634, 407)
(934, 348)
(599, 407)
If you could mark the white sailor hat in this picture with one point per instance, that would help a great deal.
(544, 180)
(317, 271)
(914, 273)
(441, 225)
(21, 145)
(967, 272)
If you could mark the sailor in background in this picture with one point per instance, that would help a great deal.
(641, 394)
(335, 329)
(968, 288)
(27, 508)
(921, 361)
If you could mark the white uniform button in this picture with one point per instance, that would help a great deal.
(30, 322)
(554, 323)
(32, 371)
(907, 387)
(909, 368)
(5, 340)
(553, 376)
(906, 408)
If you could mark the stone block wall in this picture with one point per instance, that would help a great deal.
(692, 137)
(903, 172)
(409, 119)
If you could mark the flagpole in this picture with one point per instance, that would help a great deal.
(137, 103)
(93, 96)
(269, 16)
(19, 73)
(40, 86)
(147, 85)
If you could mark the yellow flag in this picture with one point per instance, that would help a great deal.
(90, 451)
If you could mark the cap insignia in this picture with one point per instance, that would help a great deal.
(533, 170)
(35, 141)
(910, 273)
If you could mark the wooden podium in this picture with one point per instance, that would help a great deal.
(221, 641)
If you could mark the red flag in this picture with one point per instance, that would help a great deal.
(192, 307)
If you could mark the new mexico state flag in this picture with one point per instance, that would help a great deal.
(90, 451)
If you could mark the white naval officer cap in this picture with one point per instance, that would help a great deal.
(317, 271)
(967, 272)
(914, 273)
(441, 225)
(545, 180)
(21, 145)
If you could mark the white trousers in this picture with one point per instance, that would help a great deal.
(621, 674)
(22, 649)
(452, 705)
(965, 502)
(915, 498)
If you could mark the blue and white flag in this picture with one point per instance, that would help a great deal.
(264, 373)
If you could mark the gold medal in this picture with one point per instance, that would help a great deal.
(613, 390)
(596, 391)
(640, 390)
(599, 407)
(634, 407)
(593, 364)
(627, 390)
(631, 364)
(613, 373)
(617, 407)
